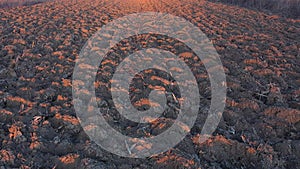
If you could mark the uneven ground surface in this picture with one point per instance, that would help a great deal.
(285, 8)
(15, 3)
(260, 127)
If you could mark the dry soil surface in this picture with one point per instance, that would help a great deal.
(260, 127)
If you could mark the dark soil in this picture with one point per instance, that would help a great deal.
(260, 127)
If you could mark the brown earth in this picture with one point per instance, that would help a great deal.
(260, 127)
(15, 3)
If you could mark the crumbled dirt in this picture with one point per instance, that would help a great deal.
(260, 127)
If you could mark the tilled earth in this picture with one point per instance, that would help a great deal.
(260, 127)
